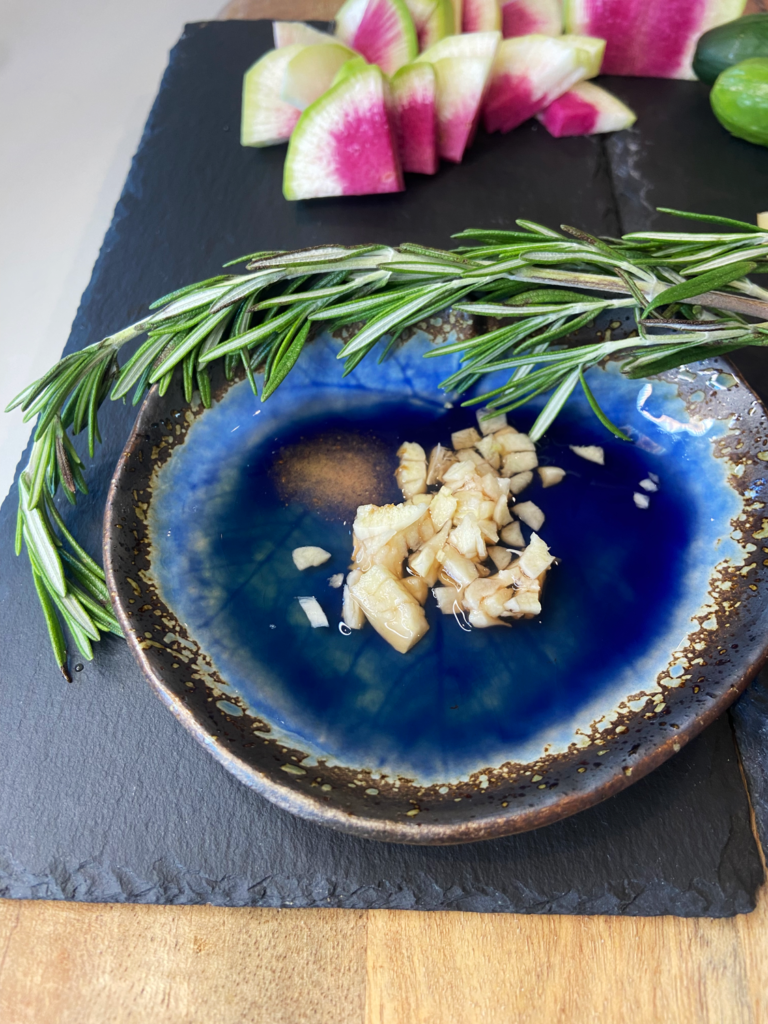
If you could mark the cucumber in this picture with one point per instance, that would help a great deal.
(730, 44)
(740, 100)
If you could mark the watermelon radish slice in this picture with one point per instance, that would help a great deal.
(529, 72)
(462, 68)
(343, 144)
(586, 109)
(432, 19)
(266, 118)
(525, 17)
(481, 16)
(288, 33)
(381, 30)
(311, 72)
(413, 91)
(651, 38)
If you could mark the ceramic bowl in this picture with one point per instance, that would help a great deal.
(653, 620)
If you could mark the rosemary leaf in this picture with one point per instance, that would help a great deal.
(286, 363)
(726, 222)
(192, 340)
(704, 283)
(53, 625)
(550, 411)
(608, 424)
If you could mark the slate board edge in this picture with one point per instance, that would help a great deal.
(175, 886)
(80, 882)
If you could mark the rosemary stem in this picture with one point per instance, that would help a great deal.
(540, 282)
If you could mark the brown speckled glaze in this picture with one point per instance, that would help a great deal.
(642, 731)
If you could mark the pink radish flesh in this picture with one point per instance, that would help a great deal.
(481, 16)
(415, 118)
(649, 38)
(364, 156)
(343, 143)
(569, 115)
(510, 102)
(460, 90)
(655, 44)
(381, 35)
(417, 137)
(586, 109)
(529, 72)
(524, 17)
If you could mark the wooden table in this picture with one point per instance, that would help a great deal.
(68, 963)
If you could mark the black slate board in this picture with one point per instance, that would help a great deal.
(104, 796)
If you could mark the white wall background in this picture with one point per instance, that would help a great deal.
(77, 80)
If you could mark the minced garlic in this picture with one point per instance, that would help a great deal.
(455, 539)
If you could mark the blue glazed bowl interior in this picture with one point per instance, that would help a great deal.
(223, 527)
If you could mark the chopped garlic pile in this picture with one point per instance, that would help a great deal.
(455, 519)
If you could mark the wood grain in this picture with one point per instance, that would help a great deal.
(286, 10)
(63, 963)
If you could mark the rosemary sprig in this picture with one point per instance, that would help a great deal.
(689, 293)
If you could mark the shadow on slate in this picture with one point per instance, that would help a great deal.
(104, 796)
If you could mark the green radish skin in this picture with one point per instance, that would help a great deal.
(739, 99)
(289, 33)
(266, 118)
(432, 19)
(648, 38)
(586, 109)
(311, 72)
(729, 44)
(343, 144)
(382, 31)
(352, 67)
(438, 26)
(462, 69)
(590, 52)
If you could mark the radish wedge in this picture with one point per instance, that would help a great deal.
(471, 44)
(413, 91)
(524, 17)
(586, 109)
(462, 68)
(590, 52)
(289, 33)
(343, 144)
(311, 72)
(432, 19)
(381, 30)
(529, 72)
(650, 38)
(481, 16)
(267, 119)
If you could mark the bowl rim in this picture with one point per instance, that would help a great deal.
(310, 806)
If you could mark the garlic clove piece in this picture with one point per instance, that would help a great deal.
(308, 557)
(551, 475)
(530, 514)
